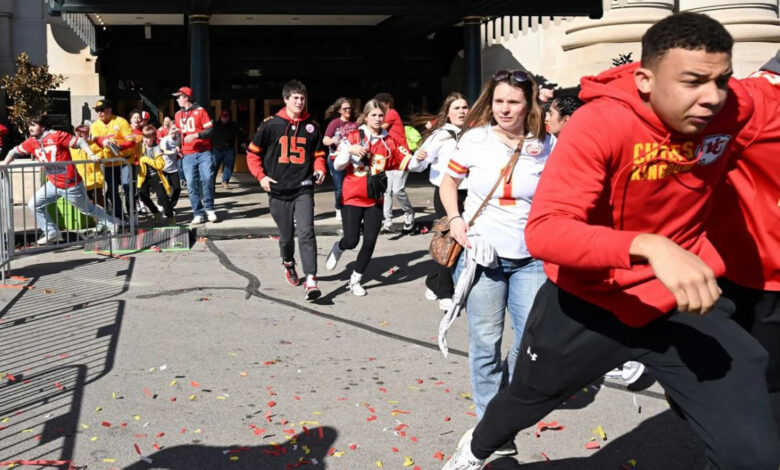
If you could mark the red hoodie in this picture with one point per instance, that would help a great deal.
(618, 171)
(744, 222)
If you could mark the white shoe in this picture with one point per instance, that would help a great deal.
(463, 459)
(445, 304)
(387, 226)
(338, 215)
(354, 285)
(197, 220)
(507, 449)
(632, 371)
(408, 221)
(50, 238)
(160, 208)
(212, 216)
(430, 295)
(333, 257)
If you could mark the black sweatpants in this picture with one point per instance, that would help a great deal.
(169, 202)
(296, 215)
(152, 182)
(758, 311)
(710, 367)
(439, 278)
(351, 219)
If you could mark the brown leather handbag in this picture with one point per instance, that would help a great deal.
(444, 249)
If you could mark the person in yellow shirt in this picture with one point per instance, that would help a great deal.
(90, 173)
(113, 135)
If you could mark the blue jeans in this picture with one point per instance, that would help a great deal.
(77, 196)
(199, 171)
(112, 175)
(510, 286)
(338, 183)
(226, 157)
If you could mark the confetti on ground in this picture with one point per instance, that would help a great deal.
(592, 445)
(599, 431)
(551, 426)
(408, 462)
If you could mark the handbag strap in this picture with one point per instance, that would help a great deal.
(507, 171)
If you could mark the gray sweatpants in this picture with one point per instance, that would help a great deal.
(396, 184)
(291, 216)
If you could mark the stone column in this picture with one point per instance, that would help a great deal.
(6, 52)
(472, 57)
(199, 57)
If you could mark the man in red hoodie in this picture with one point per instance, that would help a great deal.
(618, 218)
(744, 223)
(287, 158)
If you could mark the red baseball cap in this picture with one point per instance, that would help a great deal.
(185, 90)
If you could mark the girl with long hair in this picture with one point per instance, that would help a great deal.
(342, 121)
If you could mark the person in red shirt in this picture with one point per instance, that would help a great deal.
(52, 146)
(396, 180)
(3, 132)
(366, 153)
(744, 222)
(197, 160)
(618, 219)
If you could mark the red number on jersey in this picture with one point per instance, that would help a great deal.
(292, 151)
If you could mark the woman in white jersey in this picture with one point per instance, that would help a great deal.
(437, 148)
(506, 116)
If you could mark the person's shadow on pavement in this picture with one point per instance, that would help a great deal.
(311, 446)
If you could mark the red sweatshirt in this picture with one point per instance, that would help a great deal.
(618, 171)
(744, 222)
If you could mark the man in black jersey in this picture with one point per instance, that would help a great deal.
(287, 158)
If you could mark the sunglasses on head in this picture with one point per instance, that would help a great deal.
(517, 76)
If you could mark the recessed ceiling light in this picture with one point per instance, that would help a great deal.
(295, 18)
(250, 17)
(139, 17)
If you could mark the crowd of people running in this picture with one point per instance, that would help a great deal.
(600, 243)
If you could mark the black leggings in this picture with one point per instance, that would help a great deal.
(351, 217)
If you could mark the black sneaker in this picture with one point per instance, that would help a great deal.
(290, 274)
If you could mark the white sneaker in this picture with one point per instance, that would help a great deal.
(408, 221)
(507, 449)
(463, 459)
(333, 257)
(445, 304)
(338, 215)
(387, 226)
(632, 371)
(212, 216)
(430, 295)
(197, 220)
(354, 285)
(50, 238)
(160, 208)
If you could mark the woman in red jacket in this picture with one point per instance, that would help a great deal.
(366, 153)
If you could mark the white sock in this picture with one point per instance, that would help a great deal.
(310, 279)
(355, 278)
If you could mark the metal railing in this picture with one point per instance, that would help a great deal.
(36, 215)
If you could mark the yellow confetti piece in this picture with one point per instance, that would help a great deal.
(408, 462)
(631, 462)
(338, 454)
(472, 407)
(384, 323)
(466, 396)
(5, 420)
(414, 388)
(600, 431)
(152, 369)
(306, 450)
(193, 397)
(137, 418)
(113, 395)
(84, 426)
(379, 463)
(232, 354)
(109, 460)
(221, 398)
(93, 438)
(173, 382)
(198, 431)
(233, 458)
(310, 423)
(27, 430)
(99, 409)
(393, 402)
(317, 413)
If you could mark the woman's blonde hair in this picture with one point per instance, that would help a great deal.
(370, 106)
(482, 111)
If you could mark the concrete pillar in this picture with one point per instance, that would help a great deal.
(199, 57)
(6, 52)
(472, 58)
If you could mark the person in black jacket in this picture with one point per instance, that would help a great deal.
(223, 140)
(287, 158)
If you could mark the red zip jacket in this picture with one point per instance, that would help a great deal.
(744, 222)
(619, 171)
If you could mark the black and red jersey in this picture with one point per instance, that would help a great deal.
(288, 150)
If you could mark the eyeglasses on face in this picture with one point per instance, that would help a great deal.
(517, 76)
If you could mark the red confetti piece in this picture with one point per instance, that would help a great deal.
(438, 456)
(283, 422)
(440, 382)
(38, 437)
(395, 450)
(271, 404)
(137, 449)
(471, 413)
(140, 436)
(413, 439)
(105, 424)
(147, 392)
(447, 418)
(160, 434)
(402, 433)
(269, 363)
(371, 418)
(124, 425)
(401, 426)
(290, 431)
(592, 445)
(399, 412)
(194, 383)
(57, 384)
(331, 451)
(268, 416)
(155, 446)
(383, 389)
(371, 359)
(306, 430)
(11, 378)
(551, 426)
(173, 398)
(545, 456)
(371, 409)
(296, 397)
(353, 446)
(419, 381)
(321, 433)
(183, 430)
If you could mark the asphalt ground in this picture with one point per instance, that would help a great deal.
(207, 359)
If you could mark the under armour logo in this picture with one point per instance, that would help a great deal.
(533, 355)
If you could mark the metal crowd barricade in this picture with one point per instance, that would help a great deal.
(20, 190)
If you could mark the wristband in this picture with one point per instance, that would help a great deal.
(455, 217)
